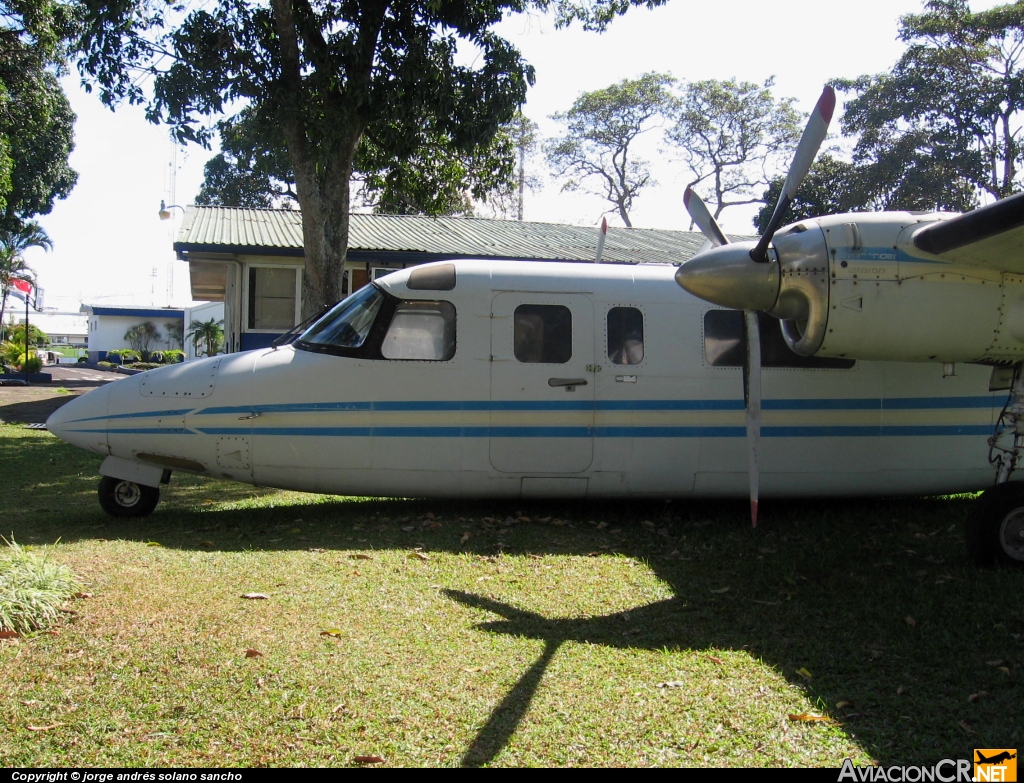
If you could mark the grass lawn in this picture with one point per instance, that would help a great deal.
(513, 634)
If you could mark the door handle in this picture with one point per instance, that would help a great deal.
(569, 383)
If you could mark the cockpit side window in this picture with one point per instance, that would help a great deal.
(347, 326)
(421, 330)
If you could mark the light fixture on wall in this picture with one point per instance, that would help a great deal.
(165, 210)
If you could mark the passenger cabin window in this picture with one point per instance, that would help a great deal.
(725, 344)
(348, 322)
(542, 334)
(422, 331)
(625, 335)
(271, 298)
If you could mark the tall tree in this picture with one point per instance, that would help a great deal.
(36, 120)
(733, 136)
(945, 122)
(601, 130)
(327, 74)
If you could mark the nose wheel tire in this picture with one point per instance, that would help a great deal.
(995, 526)
(120, 498)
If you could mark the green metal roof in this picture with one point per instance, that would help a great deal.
(279, 232)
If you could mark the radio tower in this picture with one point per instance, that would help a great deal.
(172, 181)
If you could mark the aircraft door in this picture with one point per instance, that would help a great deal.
(542, 383)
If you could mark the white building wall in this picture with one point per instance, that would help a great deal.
(203, 313)
(106, 333)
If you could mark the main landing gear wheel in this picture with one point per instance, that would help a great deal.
(995, 526)
(121, 498)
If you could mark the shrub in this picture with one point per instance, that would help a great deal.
(31, 589)
(174, 356)
(157, 357)
(32, 364)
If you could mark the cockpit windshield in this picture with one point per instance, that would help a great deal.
(348, 323)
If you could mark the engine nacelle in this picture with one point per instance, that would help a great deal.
(854, 286)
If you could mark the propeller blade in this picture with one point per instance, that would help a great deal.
(601, 236)
(806, 150)
(704, 219)
(752, 401)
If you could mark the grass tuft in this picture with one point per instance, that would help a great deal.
(32, 589)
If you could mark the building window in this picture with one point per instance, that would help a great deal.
(542, 334)
(271, 298)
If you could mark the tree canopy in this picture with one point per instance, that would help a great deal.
(732, 136)
(944, 123)
(253, 170)
(599, 141)
(36, 121)
(327, 75)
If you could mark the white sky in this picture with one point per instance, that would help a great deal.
(108, 240)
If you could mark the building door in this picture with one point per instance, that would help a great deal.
(542, 383)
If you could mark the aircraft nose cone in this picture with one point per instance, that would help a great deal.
(727, 276)
(82, 421)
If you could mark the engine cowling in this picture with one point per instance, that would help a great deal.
(885, 299)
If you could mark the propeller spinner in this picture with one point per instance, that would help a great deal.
(745, 276)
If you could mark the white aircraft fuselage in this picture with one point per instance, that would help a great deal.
(526, 379)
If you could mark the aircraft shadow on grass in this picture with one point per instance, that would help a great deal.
(866, 659)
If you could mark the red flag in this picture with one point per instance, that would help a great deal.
(22, 285)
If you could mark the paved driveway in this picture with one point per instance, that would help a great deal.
(34, 403)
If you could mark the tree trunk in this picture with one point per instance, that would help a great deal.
(322, 190)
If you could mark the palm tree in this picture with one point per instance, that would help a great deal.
(13, 243)
(209, 333)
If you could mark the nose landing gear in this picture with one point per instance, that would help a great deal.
(120, 498)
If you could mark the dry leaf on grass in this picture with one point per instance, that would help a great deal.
(804, 673)
(255, 596)
(206, 543)
(331, 632)
(713, 659)
(359, 556)
(465, 538)
(368, 760)
(720, 591)
(967, 728)
(910, 621)
(83, 595)
(811, 716)
(418, 556)
(671, 684)
(153, 543)
(44, 728)
(9, 635)
(841, 704)
(251, 653)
